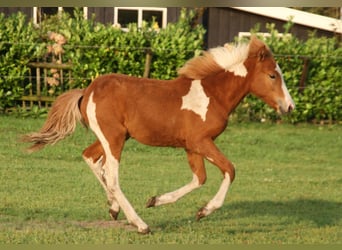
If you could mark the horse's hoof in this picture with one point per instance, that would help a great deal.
(201, 213)
(151, 202)
(145, 231)
(113, 214)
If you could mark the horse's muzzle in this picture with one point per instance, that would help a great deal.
(285, 108)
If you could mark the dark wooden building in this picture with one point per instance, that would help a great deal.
(223, 24)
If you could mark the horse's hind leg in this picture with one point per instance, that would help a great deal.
(112, 145)
(199, 177)
(94, 157)
(112, 136)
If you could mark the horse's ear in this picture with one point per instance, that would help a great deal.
(256, 46)
(262, 53)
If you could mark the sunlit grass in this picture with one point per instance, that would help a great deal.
(287, 189)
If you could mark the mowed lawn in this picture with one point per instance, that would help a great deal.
(288, 189)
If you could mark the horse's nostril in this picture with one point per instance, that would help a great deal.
(290, 108)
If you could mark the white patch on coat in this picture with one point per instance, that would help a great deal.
(231, 58)
(209, 159)
(288, 99)
(196, 100)
(110, 159)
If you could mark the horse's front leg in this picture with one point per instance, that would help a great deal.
(216, 202)
(94, 157)
(199, 176)
(208, 149)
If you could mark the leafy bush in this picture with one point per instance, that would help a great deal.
(92, 48)
(95, 48)
(174, 45)
(18, 46)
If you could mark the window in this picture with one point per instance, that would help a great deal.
(148, 16)
(39, 13)
(48, 11)
(126, 15)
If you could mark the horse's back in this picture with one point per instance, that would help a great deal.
(147, 108)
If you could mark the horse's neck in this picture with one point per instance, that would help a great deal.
(228, 90)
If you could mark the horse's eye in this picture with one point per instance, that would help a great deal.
(272, 76)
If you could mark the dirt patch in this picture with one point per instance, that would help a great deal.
(106, 224)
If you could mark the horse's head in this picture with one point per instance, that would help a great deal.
(266, 79)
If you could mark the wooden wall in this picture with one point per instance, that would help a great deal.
(223, 24)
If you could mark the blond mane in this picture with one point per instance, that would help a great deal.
(210, 62)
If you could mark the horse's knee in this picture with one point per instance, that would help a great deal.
(230, 169)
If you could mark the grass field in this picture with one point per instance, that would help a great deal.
(287, 189)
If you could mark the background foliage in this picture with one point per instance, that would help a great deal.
(18, 46)
(94, 49)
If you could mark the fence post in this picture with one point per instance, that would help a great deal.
(148, 60)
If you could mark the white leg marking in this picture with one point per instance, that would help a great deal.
(196, 100)
(179, 193)
(218, 199)
(111, 170)
(96, 167)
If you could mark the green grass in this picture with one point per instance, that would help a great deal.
(287, 189)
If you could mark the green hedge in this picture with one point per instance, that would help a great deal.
(94, 49)
(18, 46)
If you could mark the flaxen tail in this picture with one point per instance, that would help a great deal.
(61, 121)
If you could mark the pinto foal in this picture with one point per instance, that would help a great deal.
(189, 112)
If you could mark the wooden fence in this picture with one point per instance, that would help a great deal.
(42, 81)
(43, 78)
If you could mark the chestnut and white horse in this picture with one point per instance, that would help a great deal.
(189, 112)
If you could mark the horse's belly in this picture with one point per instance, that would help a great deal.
(164, 137)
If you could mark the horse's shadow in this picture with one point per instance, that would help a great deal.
(317, 211)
